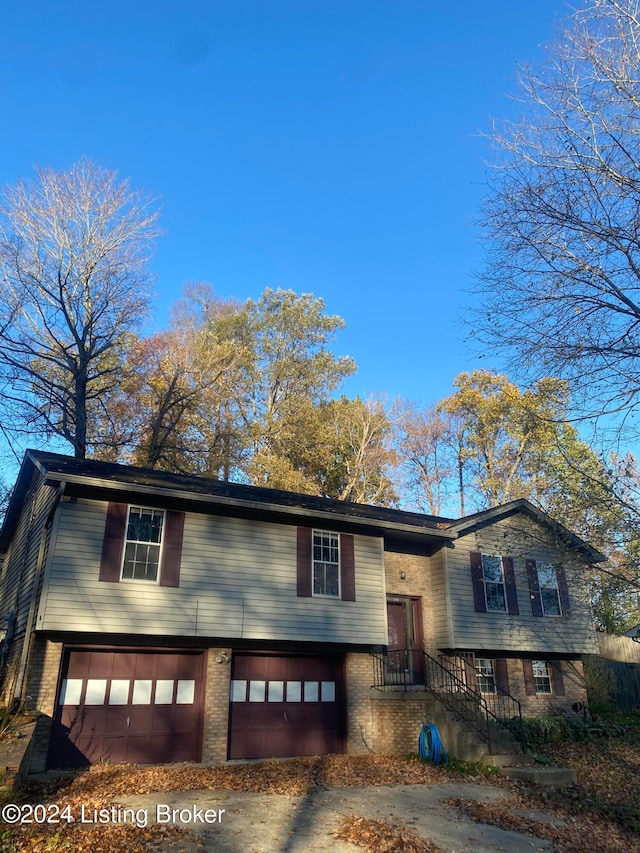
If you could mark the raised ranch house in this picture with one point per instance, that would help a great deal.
(152, 617)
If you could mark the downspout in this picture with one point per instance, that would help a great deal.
(29, 633)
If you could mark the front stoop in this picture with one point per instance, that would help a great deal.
(541, 775)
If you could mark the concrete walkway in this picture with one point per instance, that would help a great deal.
(274, 823)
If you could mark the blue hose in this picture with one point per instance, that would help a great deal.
(430, 746)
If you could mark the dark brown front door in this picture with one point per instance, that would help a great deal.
(398, 658)
(123, 706)
(285, 706)
(404, 650)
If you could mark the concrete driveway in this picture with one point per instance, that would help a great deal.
(234, 822)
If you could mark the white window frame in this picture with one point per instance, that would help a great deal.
(127, 541)
(486, 676)
(542, 677)
(501, 584)
(332, 538)
(548, 583)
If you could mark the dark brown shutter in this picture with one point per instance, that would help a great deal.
(529, 681)
(304, 561)
(556, 677)
(347, 568)
(534, 588)
(510, 586)
(114, 531)
(478, 582)
(470, 672)
(563, 589)
(502, 675)
(172, 549)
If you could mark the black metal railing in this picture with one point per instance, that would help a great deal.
(492, 716)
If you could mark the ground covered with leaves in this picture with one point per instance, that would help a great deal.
(601, 813)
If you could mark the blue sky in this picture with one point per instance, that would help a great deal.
(327, 146)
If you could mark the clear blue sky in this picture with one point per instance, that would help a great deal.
(329, 146)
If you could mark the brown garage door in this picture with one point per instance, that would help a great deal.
(285, 706)
(138, 707)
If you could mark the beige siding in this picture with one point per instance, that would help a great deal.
(439, 600)
(520, 539)
(237, 580)
(21, 580)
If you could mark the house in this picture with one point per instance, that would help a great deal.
(154, 617)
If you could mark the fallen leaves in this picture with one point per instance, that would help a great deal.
(382, 836)
(601, 813)
(568, 833)
(294, 776)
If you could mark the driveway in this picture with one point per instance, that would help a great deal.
(236, 822)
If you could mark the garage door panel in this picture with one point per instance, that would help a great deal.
(116, 722)
(114, 705)
(284, 706)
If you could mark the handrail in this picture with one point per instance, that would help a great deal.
(416, 669)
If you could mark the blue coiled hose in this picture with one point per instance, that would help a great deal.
(430, 746)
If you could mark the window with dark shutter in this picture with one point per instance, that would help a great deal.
(325, 564)
(494, 584)
(142, 544)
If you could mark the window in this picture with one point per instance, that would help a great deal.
(494, 584)
(143, 544)
(541, 676)
(494, 590)
(549, 591)
(486, 675)
(326, 563)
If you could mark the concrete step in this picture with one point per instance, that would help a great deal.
(541, 775)
(507, 759)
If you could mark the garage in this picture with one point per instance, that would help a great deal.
(128, 706)
(282, 706)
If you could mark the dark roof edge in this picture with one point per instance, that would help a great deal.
(522, 505)
(56, 468)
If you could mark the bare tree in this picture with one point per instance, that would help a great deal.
(427, 461)
(562, 219)
(74, 247)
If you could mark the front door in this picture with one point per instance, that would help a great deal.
(404, 655)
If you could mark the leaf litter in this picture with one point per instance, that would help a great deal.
(604, 807)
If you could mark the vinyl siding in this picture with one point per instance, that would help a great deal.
(237, 580)
(20, 580)
(520, 539)
(439, 599)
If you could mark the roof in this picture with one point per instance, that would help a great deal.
(90, 475)
(525, 507)
(93, 474)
